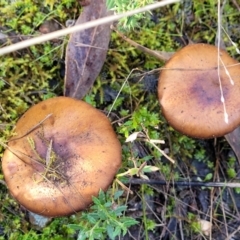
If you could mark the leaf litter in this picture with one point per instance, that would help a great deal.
(86, 51)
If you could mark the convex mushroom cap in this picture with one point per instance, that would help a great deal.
(63, 153)
(189, 91)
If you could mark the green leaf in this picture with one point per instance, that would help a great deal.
(117, 194)
(117, 232)
(74, 226)
(231, 173)
(150, 169)
(110, 230)
(119, 210)
(103, 220)
(208, 177)
(127, 221)
(91, 218)
(82, 236)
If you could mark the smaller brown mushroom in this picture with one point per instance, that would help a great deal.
(190, 94)
(63, 153)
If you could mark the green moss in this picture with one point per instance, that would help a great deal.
(27, 77)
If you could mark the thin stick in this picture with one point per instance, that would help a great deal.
(163, 56)
(33, 128)
(111, 108)
(184, 183)
(230, 236)
(219, 60)
(87, 25)
(162, 152)
(154, 145)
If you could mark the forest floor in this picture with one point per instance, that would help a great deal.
(180, 201)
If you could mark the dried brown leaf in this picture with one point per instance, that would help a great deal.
(86, 51)
(233, 139)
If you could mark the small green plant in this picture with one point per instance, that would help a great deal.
(141, 117)
(104, 218)
(231, 170)
(121, 6)
(194, 223)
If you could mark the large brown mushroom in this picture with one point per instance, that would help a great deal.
(64, 151)
(190, 94)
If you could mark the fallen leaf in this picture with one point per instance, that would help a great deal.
(132, 137)
(233, 139)
(86, 51)
(206, 227)
(148, 169)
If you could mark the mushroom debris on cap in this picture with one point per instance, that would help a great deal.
(64, 151)
(189, 91)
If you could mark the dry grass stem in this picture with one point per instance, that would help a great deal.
(63, 32)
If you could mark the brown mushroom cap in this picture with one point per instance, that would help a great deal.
(190, 96)
(86, 155)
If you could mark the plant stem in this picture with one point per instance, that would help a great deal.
(94, 23)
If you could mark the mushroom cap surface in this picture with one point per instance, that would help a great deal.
(82, 151)
(189, 91)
